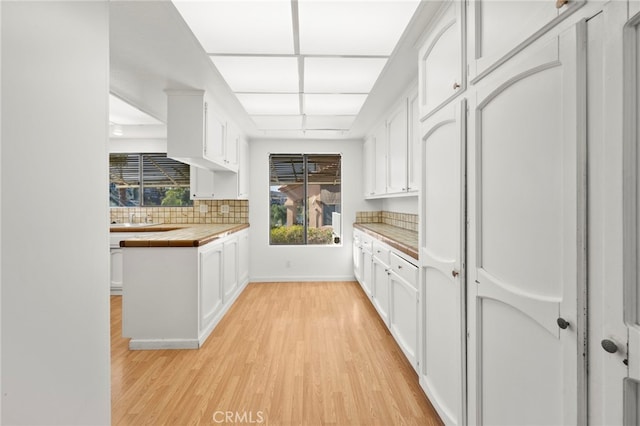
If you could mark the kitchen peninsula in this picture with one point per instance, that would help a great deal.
(179, 283)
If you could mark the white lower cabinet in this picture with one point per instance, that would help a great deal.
(115, 266)
(381, 281)
(390, 279)
(403, 315)
(210, 285)
(173, 297)
(230, 268)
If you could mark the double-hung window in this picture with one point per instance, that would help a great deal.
(305, 193)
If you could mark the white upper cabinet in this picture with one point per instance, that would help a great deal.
(369, 155)
(195, 135)
(397, 149)
(380, 160)
(231, 146)
(441, 70)
(413, 155)
(390, 165)
(223, 185)
(500, 29)
(202, 183)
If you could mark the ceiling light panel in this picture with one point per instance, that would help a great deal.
(331, 104)
(270, 104)
(250, 26)
(352, 27)
(328, 122)
(341, 75)
(259, 73)
(123, 113)
(278, 122)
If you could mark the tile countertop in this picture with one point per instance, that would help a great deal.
(176, 235)
(401, 239)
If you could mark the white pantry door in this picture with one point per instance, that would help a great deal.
(442, 374)
(525, 160)
(607, 370)
(631, 221)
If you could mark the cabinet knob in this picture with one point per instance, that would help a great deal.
(560, 3)
(609, 346)
(456, 86)
(563, 323)
(455, 273)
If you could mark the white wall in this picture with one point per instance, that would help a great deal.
(54, 241)
(401, 205)
(307, 263)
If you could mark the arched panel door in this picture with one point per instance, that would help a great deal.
(526, 248)
(442, 245)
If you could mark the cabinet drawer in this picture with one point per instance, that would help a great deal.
(406, 270)
(381, 252)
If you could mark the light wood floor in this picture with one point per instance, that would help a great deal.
(285, 354)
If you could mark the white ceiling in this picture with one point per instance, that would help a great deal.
(153, 50)
(299, 65)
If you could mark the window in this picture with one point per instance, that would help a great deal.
(137, 180)
(305, 192)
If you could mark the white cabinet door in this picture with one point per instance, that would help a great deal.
(357, 258)
(230, 274)
(243, 257)
(525, 252)
(202, 183)
(397, 149)
(499, 29)
(243, 169)
(214, 137)
(442, 59)
(403, 315)
(210, 285)
(380, 280)
(413, 156)
(367, 272)
(368, 166)
(116, 270)
(380, 160)
(442, 372)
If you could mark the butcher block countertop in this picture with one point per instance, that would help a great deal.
(176, 235)
(400, 239)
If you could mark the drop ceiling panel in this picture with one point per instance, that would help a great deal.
(341, 75)
(259, 73)
(352, 27)
(278, 122)
(270, 104)
(329, 122)
(330, 104)
(250, 26)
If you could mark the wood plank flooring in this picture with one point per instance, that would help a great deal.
(285, 354)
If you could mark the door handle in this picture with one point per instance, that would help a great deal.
(562, 323)
(609, 346)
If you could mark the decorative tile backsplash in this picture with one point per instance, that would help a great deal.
(401, 220)
(238, 213)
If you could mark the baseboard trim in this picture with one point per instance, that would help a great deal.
(302, 278)
(147, 344)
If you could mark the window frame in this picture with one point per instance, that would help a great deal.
(336, 239)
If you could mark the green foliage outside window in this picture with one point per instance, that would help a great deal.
(295, 235)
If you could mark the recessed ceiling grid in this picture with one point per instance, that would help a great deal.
(299, 65)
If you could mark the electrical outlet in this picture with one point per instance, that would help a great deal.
(224, 209)
(204, 208)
